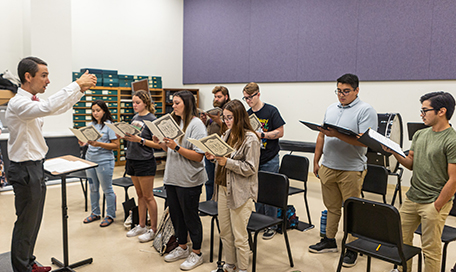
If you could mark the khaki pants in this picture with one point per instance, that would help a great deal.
(233, 230)
(432, 222)
(336, 187)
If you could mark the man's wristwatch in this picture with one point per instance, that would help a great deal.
(177, 148)
(142, 142)
(262, 135)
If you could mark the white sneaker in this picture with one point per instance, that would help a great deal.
(146, 237)
(227, 268)
(136, 231)
(193, 260)
(177, 254)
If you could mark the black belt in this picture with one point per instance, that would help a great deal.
(29, 162)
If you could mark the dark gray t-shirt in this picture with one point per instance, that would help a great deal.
(135, 151)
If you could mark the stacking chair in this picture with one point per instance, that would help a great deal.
(210, 208)
(378, 229)
(160, 192)
(376, 180)
(297, 167)
(448, 236)
(273, 191)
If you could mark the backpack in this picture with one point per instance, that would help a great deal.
(164, 240)
(291, 218)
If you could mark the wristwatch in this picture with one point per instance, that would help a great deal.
(262, 135)
(177, 148)
(142, 142)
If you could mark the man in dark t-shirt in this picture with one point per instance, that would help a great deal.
(271, 130)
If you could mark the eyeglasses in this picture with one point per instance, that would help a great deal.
(227, 117)
(423, 111)
(343, 92)
(245, 98)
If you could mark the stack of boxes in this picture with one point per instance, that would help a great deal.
(155, 82)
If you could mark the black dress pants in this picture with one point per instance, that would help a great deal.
(29, 187)
(183, 209)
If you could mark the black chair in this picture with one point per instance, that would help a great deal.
(448, 236)
(210, 208)
(273, 191)
(376, 180)
(297, 167)
(378, 229)
(160, 192)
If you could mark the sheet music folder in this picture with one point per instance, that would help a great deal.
(316, 127)
(374, 141)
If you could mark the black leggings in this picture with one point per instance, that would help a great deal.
(183, 208)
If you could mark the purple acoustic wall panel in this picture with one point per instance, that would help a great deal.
(443, 47)
(274, 40)
(216, 41)
(394, 38)
(327, 39)
(231, 41)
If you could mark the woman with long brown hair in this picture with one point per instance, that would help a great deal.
(236, 185)
(141, 165)
(184, 177)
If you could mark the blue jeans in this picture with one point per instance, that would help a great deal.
(210, 170)
(102, 175)
(270, 166)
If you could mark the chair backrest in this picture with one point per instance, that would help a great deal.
(295, 167)
(376, 180)
(373, 221)
(273, 189)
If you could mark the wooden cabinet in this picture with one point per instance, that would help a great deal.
(168, 97)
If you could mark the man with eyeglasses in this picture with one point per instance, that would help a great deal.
(215, 125)
(272, 129)
(432, 158)
(344, 163)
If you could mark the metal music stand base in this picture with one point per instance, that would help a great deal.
(71, 266)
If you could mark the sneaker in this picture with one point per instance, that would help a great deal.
(324, 246)
(227, 268)
(177, 254)
(267, 235)
(192, 261)
(146, 237)
(136, 231)
(350, 258)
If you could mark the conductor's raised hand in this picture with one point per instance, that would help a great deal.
(87, 81)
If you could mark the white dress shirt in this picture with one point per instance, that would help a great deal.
(25, 121)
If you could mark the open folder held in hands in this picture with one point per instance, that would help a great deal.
(375, 140)
(86, 134)
(212, 144)
(165, 126)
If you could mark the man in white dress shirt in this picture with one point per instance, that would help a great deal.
(27, 149)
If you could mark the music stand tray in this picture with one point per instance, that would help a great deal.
(65, 266)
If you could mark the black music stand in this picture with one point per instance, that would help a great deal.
(65, 266)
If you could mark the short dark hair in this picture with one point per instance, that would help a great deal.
(440, 100)
(349, 79)
(30, 65)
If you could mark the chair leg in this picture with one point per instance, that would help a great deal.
(254, 250)
(368, 264)
(287, 243)
(341, 258)
(384, 199)
(84, 190)
(419, 262)
(104, 203)
(211, 252)
(445, 245)
(307, 204)
(126, 194)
